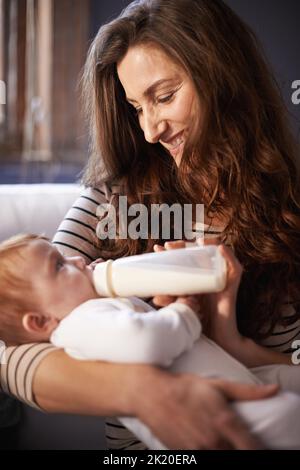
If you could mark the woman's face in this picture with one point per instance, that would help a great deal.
(163, 95)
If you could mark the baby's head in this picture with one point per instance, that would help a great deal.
(38, 288)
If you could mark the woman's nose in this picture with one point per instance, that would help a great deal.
(153, 127)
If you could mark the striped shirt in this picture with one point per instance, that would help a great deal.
(76, 235)
(16, 379)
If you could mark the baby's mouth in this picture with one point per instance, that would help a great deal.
(89, 272)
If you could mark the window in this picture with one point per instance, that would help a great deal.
(42, 136)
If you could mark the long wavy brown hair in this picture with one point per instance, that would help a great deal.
(242, 165)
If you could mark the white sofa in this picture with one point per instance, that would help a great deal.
(35, 208)
(39, 208)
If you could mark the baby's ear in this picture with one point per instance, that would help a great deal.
(37, 323)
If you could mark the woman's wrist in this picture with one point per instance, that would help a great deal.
(238, 347)
(226, 335)
(235, 344)
(251, 354)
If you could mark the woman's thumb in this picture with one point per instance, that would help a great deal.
(236, 391)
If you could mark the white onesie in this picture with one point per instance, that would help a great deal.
(129, 330)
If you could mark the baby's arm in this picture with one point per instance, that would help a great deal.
(111, 330)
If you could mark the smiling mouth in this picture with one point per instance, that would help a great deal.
(176, 143)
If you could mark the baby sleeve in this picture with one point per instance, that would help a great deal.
(111, 330)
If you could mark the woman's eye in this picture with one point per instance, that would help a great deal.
(166, 98)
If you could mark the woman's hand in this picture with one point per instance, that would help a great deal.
(198, 409)
(184, 411)
(164, 300)
(223, 325)
(199, 303)
(222, 305)
(217, 311)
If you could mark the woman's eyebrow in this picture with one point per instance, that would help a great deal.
(150, 90)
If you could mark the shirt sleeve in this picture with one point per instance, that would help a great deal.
(17, 368)
(76, 235)
(111, 330)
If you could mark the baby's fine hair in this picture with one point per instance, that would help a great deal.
(16, 292)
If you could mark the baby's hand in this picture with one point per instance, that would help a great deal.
(192, 301)
(200, 305)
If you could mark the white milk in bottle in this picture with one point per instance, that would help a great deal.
(174, 272)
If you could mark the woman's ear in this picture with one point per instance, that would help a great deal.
(37, 323)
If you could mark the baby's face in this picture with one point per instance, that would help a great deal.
(60, 283)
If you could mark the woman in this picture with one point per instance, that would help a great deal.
(183, 108)
(215, 133)
(228, 117)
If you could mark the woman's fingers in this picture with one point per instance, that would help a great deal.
(163, 300)
(229, 255)
(206, 421)
(169, 246)
(230, 426)
(235, 431)
(158, 248)
(234, 267)
(236, 391)
(175, 245)
(208, 241)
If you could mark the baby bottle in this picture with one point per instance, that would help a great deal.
(183, 271)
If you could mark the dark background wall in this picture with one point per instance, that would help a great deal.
(277, 25)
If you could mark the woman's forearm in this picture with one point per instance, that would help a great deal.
(252, 354)
(180, 409)
(62, 384)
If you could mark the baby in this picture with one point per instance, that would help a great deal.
(45, 296)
